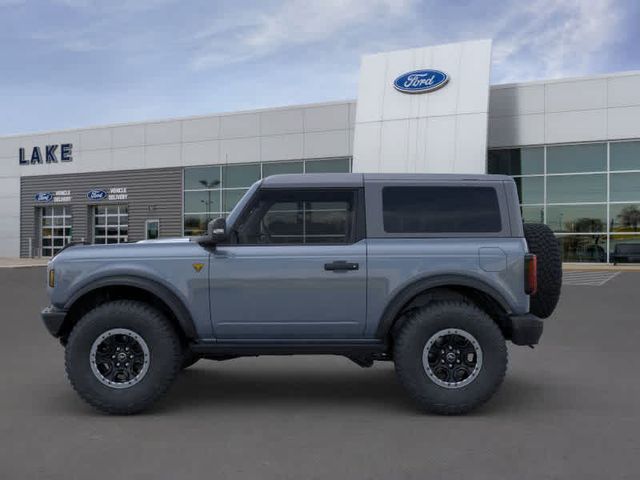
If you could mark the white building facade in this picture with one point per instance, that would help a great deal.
(572, 145)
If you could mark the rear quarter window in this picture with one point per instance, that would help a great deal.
(441, 209)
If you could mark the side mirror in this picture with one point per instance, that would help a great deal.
(217, 230)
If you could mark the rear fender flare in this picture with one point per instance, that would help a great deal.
(407, 293)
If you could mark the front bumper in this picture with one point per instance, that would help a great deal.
(526, 329)
(53, 319)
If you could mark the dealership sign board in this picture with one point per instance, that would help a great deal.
(59, 196)
(111, 194)
(52, 154)
(421, 81)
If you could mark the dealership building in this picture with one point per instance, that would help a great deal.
(572, 145)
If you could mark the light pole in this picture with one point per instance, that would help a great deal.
(209, 186)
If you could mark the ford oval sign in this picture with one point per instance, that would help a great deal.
(421, 81)
(97, 195)
(44, 197)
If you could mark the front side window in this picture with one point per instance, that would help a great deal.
(299, 217)
(437, 209)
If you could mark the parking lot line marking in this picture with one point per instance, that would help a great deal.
(594, 279)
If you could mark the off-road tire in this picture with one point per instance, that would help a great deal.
(543, 243)
(165, 356)
(414, 334)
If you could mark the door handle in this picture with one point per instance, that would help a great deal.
(341, 266)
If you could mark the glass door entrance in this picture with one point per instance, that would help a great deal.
(55, 230)
(111, 224)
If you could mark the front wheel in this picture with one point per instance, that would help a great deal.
(122, 356)
(450, 356)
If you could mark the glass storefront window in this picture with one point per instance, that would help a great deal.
(576, 188)
(202, 201)
(624, 217)
(338, 165)
(577, 218)
(572, 198)
(589, 157)
(624, 248)
(240, 176)
(624, 155)
(201, 177)
(625, 187)
(583, 248)
(516, 161)
(530, 189)
(195, 225)
(532, 214)
(277, 168)
(231, 197)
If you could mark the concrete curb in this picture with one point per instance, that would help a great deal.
(22, 262)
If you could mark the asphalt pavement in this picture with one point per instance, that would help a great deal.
(569, 409)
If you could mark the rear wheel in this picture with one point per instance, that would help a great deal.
(543, 243)
(122, 356)
(450, 356)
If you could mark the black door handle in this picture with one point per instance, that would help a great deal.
(341, 266)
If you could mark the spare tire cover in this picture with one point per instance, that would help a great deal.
(543, 243)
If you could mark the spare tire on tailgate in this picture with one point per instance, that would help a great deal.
(543, 243)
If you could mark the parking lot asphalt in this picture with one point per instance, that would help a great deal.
(569, 409)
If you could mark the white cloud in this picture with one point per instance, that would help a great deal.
(294, 22)
(553, 38)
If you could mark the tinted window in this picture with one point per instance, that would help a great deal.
(440, 209)
(530, 189)
(532, 214)
(625, 156)
(625, 217)
(577, 218)
(201, 178)
(576, 188)
(337, 165)
(516, 161)
(299, 217)
(277, 168)
(577, 158)
(625, 187)
(238, 176)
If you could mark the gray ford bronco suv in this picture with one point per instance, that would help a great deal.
(433, 272)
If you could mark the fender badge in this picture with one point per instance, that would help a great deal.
(198, 266)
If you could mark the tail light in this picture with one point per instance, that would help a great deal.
(530, 274)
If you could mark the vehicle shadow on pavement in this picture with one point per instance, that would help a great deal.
(216, 386)
(373, 389)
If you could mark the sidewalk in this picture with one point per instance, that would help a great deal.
(8, 262)
(600, 267)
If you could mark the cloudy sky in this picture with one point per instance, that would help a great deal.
(76, 63)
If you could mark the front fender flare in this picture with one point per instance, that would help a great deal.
(171, 300)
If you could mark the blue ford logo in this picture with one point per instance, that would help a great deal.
(44, 197)
(421, 81)
(97, 195)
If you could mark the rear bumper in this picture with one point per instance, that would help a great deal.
(526, 329)
(53, 319)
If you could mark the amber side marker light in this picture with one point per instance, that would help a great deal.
(52, 278)
(530, 274)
